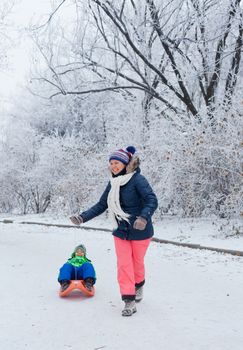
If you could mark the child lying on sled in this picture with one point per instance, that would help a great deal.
(78, 267)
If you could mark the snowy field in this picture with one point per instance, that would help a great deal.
(193, 298)
(208, 232)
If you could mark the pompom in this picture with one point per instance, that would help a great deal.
(131, 149)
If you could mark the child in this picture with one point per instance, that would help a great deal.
(78, 267)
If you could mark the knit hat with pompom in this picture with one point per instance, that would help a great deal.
(123, 155)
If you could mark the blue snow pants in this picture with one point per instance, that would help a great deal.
(70, 272)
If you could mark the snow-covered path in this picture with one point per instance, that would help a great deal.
(193, 299)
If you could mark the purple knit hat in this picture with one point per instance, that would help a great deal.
(122, 155)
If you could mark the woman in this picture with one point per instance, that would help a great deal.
(131, 203)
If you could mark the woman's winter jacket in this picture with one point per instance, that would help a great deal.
(137, 199)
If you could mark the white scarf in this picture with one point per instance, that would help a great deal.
(113, 200)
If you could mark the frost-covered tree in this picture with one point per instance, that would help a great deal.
(54, 147)
(165, 76)
(175, 52)
(6, 8)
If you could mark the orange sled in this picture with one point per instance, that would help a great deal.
(77, 285)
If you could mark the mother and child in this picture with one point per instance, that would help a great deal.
(131, 203)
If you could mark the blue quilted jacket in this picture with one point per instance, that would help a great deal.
(137, 199)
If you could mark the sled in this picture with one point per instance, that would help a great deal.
(77, 285)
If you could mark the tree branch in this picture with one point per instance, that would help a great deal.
(219, 53)
(235, 66)
(137, 51)
(186, 97)
(50, 17)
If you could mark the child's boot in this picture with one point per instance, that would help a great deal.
(89, 282)
(64, 285)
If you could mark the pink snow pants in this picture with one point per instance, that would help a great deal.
(130, 263)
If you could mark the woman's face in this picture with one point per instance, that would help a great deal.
(116, 166)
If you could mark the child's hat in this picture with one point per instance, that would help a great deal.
(81, 247)
(123, 155)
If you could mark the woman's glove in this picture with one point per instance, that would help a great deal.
(140, 223)
(76, 219)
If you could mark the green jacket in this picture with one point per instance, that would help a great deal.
(78, 261)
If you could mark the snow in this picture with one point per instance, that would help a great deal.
(203, 231)
(193, 298)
